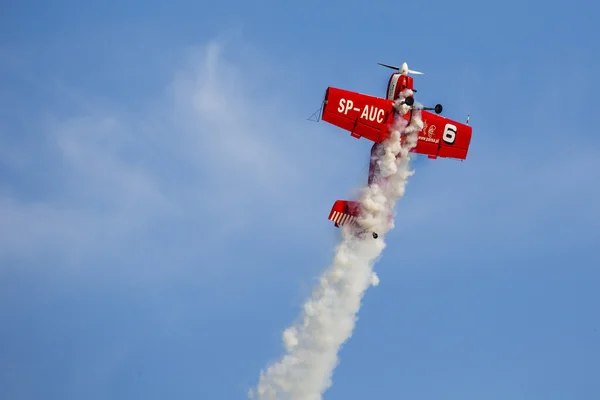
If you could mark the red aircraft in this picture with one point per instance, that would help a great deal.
(371, 117)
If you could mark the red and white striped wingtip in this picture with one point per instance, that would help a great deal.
(342, 218)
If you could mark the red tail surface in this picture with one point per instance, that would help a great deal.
(344, 212)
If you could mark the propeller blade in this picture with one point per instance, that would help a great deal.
(389, 66)
(410, 71)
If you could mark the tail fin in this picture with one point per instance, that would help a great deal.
(344, 212)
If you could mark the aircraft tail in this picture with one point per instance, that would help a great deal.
(344, 212)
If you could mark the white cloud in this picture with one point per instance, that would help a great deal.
(238, 135)
(215, 152)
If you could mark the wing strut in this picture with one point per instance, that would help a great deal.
(316, 116)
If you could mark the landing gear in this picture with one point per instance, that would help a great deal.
(409, 101)
(375, 236)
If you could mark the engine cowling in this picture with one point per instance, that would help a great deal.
(397, 84)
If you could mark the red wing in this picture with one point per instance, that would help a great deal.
(360, 114)
(443, 137)
(369, 116)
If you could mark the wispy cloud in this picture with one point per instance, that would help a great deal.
(222, 152)
(217, 150)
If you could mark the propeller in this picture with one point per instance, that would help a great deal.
(402, 69)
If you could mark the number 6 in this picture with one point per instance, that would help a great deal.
(449, 135)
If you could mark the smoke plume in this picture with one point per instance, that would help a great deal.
(329, 315)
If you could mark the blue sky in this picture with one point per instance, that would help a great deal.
(163, 200)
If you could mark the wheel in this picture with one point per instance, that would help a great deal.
(438, 108)
(375, 236)
(409, 101)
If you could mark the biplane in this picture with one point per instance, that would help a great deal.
(372, 117)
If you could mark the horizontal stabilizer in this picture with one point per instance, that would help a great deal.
(344, 212)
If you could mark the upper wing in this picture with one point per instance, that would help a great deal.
(360, 114)
(443, 137)
(369, 117)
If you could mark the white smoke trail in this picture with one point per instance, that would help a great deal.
(329, 316)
